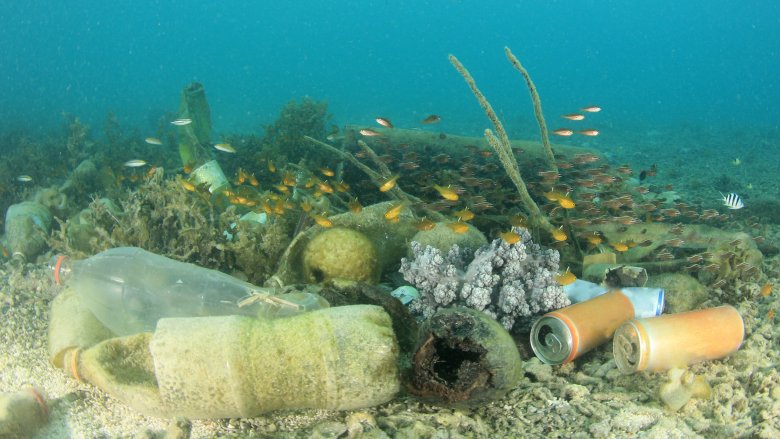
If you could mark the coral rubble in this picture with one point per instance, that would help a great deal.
(506, 281)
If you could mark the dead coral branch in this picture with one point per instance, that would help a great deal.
(537, 107)
(503, 147)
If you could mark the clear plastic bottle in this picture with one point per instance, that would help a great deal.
(129, 289)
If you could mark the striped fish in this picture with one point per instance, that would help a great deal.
(732, 201)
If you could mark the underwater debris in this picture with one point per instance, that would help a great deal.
(565, 334)
(509, 282)
(462, 355)
(665, 342)
(351, 363)
(23, 413)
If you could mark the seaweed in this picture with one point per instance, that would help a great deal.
(284, 138)
(164, 218)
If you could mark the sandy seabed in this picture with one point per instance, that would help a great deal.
(586, 398)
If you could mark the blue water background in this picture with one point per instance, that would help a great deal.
(648, 63)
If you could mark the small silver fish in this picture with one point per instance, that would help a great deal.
(385, 122)
(225, 147)
(368, 132)
(732, 201)
(181, 122)
(153, 141)
(135, 163)
(24, 178)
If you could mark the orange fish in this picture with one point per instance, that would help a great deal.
(766, 289)
(425, 224)
(619, 246)
(566, 202)
(594, 238)
(388, 184)
(355, 206)
(446, 192)
(589, 132)
(591, 109)
(187, 185)
(559, 235)
(431, 119)
(563, 132)
(322, 221)
(327, 172)
(324, 187)
(458, 227)
(510, 237)
(465, 214)
(394, 211)
(573, 116)
(566, 278)
(271, 167)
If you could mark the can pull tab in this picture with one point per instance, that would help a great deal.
(553, 343)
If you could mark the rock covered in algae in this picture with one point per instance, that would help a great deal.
(443, 238)
(389, 239)
(340, 253)
(682, 292)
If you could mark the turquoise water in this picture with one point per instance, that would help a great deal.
(648, 63)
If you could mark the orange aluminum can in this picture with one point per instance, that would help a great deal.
(560, 336)
(677, 340)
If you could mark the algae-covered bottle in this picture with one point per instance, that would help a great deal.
(129, 289)
(194, 139)
(339, 358)
(22, 413)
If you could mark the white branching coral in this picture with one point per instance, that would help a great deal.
(506, 281)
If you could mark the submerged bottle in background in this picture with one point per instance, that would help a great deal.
(194, 140)
(129, 289)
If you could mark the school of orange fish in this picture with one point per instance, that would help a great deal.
(471, 187)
